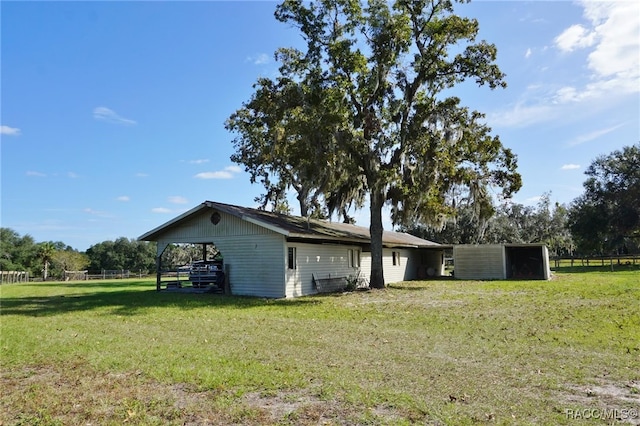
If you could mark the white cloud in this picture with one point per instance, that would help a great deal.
(199, 161)
(610, 74)
(593, 135)
(575, 37)
(570, 166)
(566, 94)
(72, 175)
(528, 53)
(261, 59)
(96, 212)
(35, 174)
(617, 25)
(227, 173)
(9, 131)
(613, 34)
(176, 199)
(142, 175)
(160, 210)
(521, 115)
(110, 116)
(214, 175)
(124, 198)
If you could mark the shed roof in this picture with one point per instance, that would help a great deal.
(294, 227)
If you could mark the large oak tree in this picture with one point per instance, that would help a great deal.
(366, 109)
(606, 218)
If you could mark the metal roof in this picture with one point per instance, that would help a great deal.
(296, 227)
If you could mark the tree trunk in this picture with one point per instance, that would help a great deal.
(303, 195)
(375, 229)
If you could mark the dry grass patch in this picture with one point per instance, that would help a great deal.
(74, 394)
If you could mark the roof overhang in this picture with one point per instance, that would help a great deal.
(149, 236)
(296, 229)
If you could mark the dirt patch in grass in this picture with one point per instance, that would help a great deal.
(308, 409)
(604, 400)
(74, 394)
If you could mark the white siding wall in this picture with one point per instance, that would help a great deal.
(410, 262)
(332, 261)
(365, 264)
(485, 262)
(253, 255)
(255, 264)
(324, 260)
(545, 263)
(398, 272)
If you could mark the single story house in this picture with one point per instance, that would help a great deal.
(273, 255)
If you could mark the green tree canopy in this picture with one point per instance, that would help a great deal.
(122, 254)
(370, 115)
(606, 218)
(17, 253)
(507, 222)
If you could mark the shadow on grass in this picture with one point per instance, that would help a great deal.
(419, 283)
(125, 283)
(117, 300)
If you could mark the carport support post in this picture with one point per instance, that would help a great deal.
(204, 251)
(159, 250)
(158, 273)
(227, 284)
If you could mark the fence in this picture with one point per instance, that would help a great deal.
(9, 277)
(611, 261)
(76, 275)
(108, 274)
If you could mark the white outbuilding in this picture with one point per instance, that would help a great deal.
(501, 261)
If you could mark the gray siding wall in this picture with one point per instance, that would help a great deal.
(253, 255)
(485, 262)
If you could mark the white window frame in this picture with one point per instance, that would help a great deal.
(395, 258)
(353, 258)
(292, 258)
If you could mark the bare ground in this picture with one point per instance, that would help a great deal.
(74, 395)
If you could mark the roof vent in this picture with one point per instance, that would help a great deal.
(215, 218)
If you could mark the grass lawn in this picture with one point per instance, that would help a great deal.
(431, 352)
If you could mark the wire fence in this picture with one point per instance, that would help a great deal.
(599, 261)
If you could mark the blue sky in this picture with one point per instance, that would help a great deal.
(113, 113)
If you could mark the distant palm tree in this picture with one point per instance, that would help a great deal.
(45, 253)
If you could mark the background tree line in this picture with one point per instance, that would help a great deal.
(604, 220)
(50, 259)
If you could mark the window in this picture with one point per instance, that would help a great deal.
(396, 258)
(354, 258)
(291, 258)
